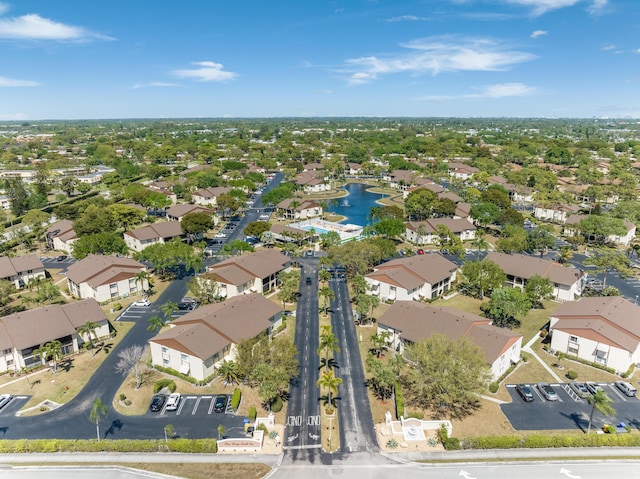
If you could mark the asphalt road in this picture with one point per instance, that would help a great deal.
(71, 420)
(302, 431)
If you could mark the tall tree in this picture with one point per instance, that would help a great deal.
(447, 376)
(482, 277)
(98, 411)
(606, 260)
(538, 289)
(602, 403)
(507, 306)
(130, 361)
(327, 294)
(89, 331)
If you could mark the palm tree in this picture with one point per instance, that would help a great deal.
(329, 381)
(328, 342)
(156, 323)
(98, 410)
(329, 401)
(327, 293)
(89, 329)
(228, 371)
(141, 277)
(168, 309)
(602, 403)
(566, 253)
(328, 364)
(43, 352)
(324, 275)
(221, 431)
(54, 349)
(169, 432)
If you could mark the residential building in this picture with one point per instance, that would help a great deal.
(21, 269)
(177, 212)
(209, 196)
(200, 340)
(426, 231)
(21, 333)
(412, 278)
(604, 330)
(312, 182)
(105, 278)
(462, 171)
(60, 236)
(556, 213)
(252, 273)
(568, 283)
(141, 238)
(295, 209)
(408, 322)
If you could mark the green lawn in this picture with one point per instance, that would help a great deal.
(530, 326)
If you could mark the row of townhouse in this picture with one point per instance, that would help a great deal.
(60, 236)
(22, 333)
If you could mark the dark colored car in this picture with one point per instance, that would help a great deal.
(187, 306)
(308, 279)
(157, 402)
(525, 392)
(220, 403)
(62, 257)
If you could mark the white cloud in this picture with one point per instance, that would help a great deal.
(541, 7)
(608, 48)
(406, 18)
(638, 51)
(325, 92)
(12, 82)
(208, 71)
(35, 27)
(4, 8)
(154, 84)
(435, 55)
(538, 33)
(499, 90)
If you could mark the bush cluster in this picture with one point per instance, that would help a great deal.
(277, 404)
(164, 383)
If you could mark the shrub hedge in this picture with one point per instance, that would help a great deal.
(550, 441)
(235, 399)
(252, 413)
(164, 383)
(120, 445)
(399, 401)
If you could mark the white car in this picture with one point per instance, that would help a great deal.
(142, 303)
(173, 402)
(4, 400)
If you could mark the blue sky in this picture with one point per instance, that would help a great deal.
(75, 59)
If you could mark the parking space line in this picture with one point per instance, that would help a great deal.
(195, 408)
(618, 392)
(180, 406)
(211, 407)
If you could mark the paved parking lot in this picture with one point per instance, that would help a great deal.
(569, 412)
(195, 405)
(13, 406)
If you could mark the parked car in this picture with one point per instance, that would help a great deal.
(220, 404)
(579, 388)
(62, 257)
(157, 402)
(627, 388)
(309, 280)
(182, 306)
(420, 251)
(309, 252)
(593, 387)
(173, 401)
(144, 302)
(547, 391)
(4, 400)
(188, 299)
(525, 392)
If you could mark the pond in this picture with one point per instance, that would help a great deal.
(356, 206)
